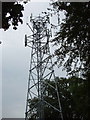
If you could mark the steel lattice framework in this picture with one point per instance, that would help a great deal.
(41, 70)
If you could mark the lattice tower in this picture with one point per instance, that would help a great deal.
(41, 71)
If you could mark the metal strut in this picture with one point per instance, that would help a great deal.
(41, 72)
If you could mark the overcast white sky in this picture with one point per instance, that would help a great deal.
(15, 64)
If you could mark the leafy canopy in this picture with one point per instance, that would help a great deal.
(12, 14)
(73, 37)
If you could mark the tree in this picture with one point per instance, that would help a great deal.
(12, 14)
(73, 40)
(73, 94)
(74, 98)
(73, 37)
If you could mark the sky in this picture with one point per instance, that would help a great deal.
(14, 64)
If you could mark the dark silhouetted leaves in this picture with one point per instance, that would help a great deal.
(11, 14)
(74, 37)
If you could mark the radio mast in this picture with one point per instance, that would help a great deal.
(41, 71)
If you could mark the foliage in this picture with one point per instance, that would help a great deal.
(73, 96)
(73, 37)
(12, 14)
(73, 40)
